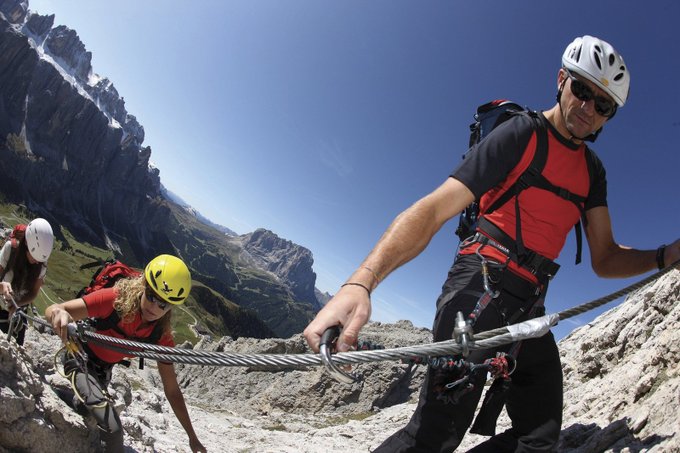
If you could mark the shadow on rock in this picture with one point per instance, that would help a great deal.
(591, 438)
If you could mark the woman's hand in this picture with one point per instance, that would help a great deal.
(6, 290)
(59, 319)
(196, 446)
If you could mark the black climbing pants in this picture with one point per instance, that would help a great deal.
(534, 397)
(89, 386)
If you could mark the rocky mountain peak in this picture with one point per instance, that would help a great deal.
(290, 262)
(15, 11)
(38, 26)
(65, 45)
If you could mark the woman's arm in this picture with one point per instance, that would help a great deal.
(174, 395)
(32, 294)
(60, 315)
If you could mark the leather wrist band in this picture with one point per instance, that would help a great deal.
(660, 252)
(361, 285)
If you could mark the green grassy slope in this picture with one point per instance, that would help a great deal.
(206, 310)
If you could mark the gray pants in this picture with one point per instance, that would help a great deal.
(89, 386)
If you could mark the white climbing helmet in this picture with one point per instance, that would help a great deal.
(600, 63)
(39, 239)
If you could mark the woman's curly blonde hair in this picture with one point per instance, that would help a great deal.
(129, 302)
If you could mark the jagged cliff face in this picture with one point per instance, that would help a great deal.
(71, 150)
(71, 153)
(288, 261)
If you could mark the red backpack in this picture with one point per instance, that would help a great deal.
(107, 275)
(16, 235)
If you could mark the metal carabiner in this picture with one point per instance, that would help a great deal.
(15, 320)
(462, 332)
(325, 346)
(485, 275)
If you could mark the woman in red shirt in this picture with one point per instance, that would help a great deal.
(143, 305)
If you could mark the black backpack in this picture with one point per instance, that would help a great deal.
(487, 118)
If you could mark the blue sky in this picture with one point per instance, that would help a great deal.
(322, 120)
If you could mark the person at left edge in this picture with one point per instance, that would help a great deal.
(23, 267)
(141, 303)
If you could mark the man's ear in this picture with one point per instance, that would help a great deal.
(561, 78)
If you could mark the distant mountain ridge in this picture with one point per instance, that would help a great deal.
(201, 218)
(71, 152)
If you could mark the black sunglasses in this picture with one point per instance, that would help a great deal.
(155, 299)
(603, 106)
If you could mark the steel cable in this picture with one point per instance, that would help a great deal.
(482, 340)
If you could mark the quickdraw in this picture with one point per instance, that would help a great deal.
(463, 332)
(499, 367)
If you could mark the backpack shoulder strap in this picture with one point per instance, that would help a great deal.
(156, 334)
(533, 173)
(535, 166)
(108, 323)
(590, 164)
(112, 322)
(533, 177)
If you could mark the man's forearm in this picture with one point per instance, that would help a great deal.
(407, 236)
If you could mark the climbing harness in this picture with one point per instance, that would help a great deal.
(463, 372)
(74, 360)
(463, 328)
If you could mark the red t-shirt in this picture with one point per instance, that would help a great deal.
(499, 159)
(100, 305)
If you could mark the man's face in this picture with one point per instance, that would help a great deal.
(582, 117)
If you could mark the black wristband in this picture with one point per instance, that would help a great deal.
(660, 252)
(358, 284)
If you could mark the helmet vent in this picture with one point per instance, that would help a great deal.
(618, 76)
(597, 61)
(612, 59)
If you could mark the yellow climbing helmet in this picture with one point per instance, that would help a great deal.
(169, 277)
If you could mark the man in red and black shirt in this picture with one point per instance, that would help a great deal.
(592, 83)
